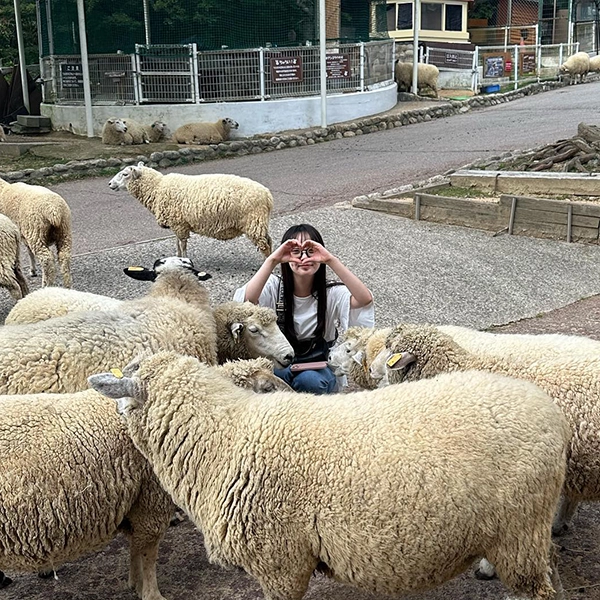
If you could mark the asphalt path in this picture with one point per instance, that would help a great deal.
(309, 177)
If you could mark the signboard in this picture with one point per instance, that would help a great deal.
(496, 65)
(337, 66)
(71, 76)
(528, 62)
(451, 58)
(286, 69)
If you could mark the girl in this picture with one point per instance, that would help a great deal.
(311, 312)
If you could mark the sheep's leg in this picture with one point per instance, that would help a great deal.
(32, 270)
(485, 571)
(63, 251)
(21, 281)
(46, 258)
(4, 580)
(258, 233)
(290, 583)
(566, 510)
(182, 246)
(13, 285)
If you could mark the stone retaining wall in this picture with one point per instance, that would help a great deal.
(259, 144)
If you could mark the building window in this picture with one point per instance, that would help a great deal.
(453, 17)
(431, 16)
(391, 16)
(405, 17)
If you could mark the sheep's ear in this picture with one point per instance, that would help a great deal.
(141, 163)
(140, 273)
(112, 385)
(202, 276)
(358, 357)
(236, 330)
(400, 360)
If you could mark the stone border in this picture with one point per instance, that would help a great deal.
(260, 144)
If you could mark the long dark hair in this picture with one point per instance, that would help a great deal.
(319, 286)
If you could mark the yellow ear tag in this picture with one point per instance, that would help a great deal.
(393, 359)
(117, 373)
(135, 268)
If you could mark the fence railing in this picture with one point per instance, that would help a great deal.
(181, 74)
(506, 36)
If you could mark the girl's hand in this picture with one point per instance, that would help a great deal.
(288, 252)
(312, 251)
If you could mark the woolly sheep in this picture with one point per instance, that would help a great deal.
(244, 330)
(43, 218)
(255, 374)
(57, 355)
(595, 64)
(157, 132)
(577, 66)
(136, 133)
(573, 382)
(354, 353)
(205, 133)
(394, 491)
(11, 276)
(215, 205)
(114, 132)
(427, 77)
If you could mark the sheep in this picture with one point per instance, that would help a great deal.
(573, 382)
(577, 66)
(427, 76)
(595, 64)
(157, 132)
(355, 351)
(114, 132)
(135, 133)
(205, 133)
(49, 302)
(394, 491)
(57, 355)
(244, 330)
(255, 374)
(11, 276)
(43, 218)
(219, 206)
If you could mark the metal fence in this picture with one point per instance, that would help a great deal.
(454, 60)
(181, 74)
(506, 36)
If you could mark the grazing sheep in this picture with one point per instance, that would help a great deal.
(573, 382)
(394, 491)
(65, 495)
(205, 133)
(43, 218)
(427, 77)
(114, 132)
(219, 206)
(57, 355)
(595, 64)
(577, 66)
(11, 276)
(354, 353)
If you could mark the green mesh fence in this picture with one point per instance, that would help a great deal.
(210, 24)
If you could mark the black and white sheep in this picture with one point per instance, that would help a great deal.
(395, 490)
(44, 219)
(205, 133)
(219, 206)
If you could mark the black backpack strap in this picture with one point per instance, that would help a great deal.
(280, 307)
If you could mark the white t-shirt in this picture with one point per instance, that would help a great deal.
(338, 317)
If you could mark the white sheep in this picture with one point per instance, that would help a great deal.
(57, 355)
(157, 132)
(244, 330)
(215, 205)
(205, 133)
(577, 66)
(572, 381)
(255, 374)
(427, 77)
(595, 64)
(114, 133)
(11, 276)
(393, 491)
(44, 219)
(135, 133)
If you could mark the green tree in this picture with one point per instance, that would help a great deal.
(8, 32)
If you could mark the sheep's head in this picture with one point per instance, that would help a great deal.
(161, 128)
(255, 374)
(125, 176)
(252, 332)
(230, 123)
(165, 265)
(117, 124)
(349, 352)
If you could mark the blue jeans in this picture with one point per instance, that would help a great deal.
(322, 381)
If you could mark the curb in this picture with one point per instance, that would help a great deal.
(260, 144)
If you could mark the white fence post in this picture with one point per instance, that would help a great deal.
(261, 58)
(362, 66)
(475, 71)
(195, 75)
(134, 73)
(538, 61)
(505, 39)
(516, 86)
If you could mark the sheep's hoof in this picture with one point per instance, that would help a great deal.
(177, 518)
(559, 529)
(4, 580)
(482, 576)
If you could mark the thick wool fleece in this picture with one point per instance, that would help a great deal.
(11, 276)
(44, 219)
(203, 133)
(577, 64)
(219, 206)
(427, 76)
(395, 490)
(71, 480)
(572, 382)
(59, 354)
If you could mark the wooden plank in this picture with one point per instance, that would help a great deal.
(556, 231)
(524, 216)
(403, 208)
(465, 204)
(463, 218)
(560, 206)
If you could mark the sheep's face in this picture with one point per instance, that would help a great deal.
(122, 178)
(343, 357)
(118, 125)
(230, 123)
(378, 369)
(255, 374)
(160, 127)
(262, 337)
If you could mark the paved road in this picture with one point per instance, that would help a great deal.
(314, 176)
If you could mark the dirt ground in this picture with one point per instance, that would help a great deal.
(184, 574)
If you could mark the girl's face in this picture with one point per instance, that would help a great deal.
(308, 268)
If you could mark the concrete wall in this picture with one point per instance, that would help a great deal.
(254, 117)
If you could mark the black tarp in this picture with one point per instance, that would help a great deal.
(11, 97)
